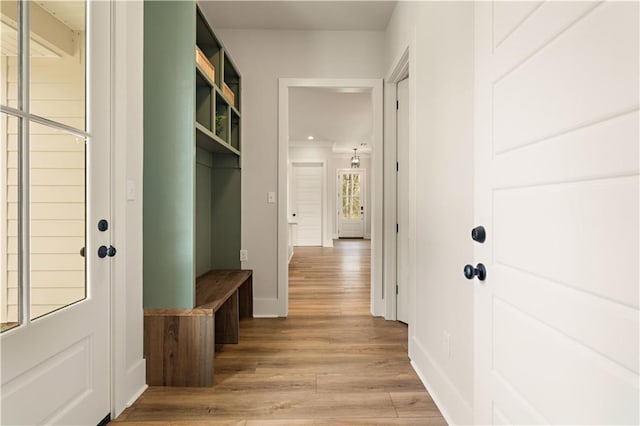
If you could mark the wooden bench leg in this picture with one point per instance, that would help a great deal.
(179, 350)
(228, 321)
(245, 296)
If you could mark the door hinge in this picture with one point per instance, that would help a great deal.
(397, 167)
(397, 289)
(397, 228)
(397, 104)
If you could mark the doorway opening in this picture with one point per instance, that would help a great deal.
(400, 190)
(311, 131)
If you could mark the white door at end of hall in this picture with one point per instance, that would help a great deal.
(402, 202)
(351, 208)
(55, 361)
(556, 187)
(307, 203)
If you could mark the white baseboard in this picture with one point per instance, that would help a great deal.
(266, 308)
(327, 243)
(136, 380)
(137, 395)
(454, 408)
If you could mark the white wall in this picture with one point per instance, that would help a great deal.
(334, 162)
(441, 88)
(263, 57)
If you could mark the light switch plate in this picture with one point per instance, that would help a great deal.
(131, 190)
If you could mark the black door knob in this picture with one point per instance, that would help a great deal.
(479, 234)
(480, 271)
(103, 251)
(82, 250)
(103, 225)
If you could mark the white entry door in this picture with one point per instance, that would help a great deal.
(351, 203)
(56, 147)
(556, 337)
(402, 202)
(307, 203)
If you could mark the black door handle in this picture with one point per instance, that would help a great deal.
(103, 251)
(479, 270)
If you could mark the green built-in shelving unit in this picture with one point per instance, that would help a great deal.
(192, 145)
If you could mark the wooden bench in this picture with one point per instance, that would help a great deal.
(179, 344)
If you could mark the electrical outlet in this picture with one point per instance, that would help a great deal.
(244, 256)
(271, 197)
(446, 343)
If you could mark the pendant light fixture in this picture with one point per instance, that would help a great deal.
(355, 160)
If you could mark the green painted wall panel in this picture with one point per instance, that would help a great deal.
(225, 213)
(203, 211)
(169, 154)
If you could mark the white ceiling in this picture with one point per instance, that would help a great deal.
(299, 15)
(341, 117)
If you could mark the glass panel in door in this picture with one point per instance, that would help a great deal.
(58, 58)
(351, 207)
(10, 296)
(57, 206)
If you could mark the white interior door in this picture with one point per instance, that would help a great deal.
(55, 343)
(307, 202)
(402, 202)
(556, 338)
(351, 209)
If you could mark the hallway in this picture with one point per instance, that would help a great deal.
(328, 363)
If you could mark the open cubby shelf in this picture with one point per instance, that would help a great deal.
(206, 140)
(217, 118)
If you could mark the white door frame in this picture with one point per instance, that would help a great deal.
(128, 367)
(404, 65)
(403, 253)
(377, 301)
(364, 200)
(323, 206)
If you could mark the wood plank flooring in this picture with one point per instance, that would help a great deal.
(328, 363)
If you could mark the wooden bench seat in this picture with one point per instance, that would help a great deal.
(179, 344)
(230, 295)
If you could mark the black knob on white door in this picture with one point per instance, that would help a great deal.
(103, 251)
(103, 225)
(480, 271)
(479, 234)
